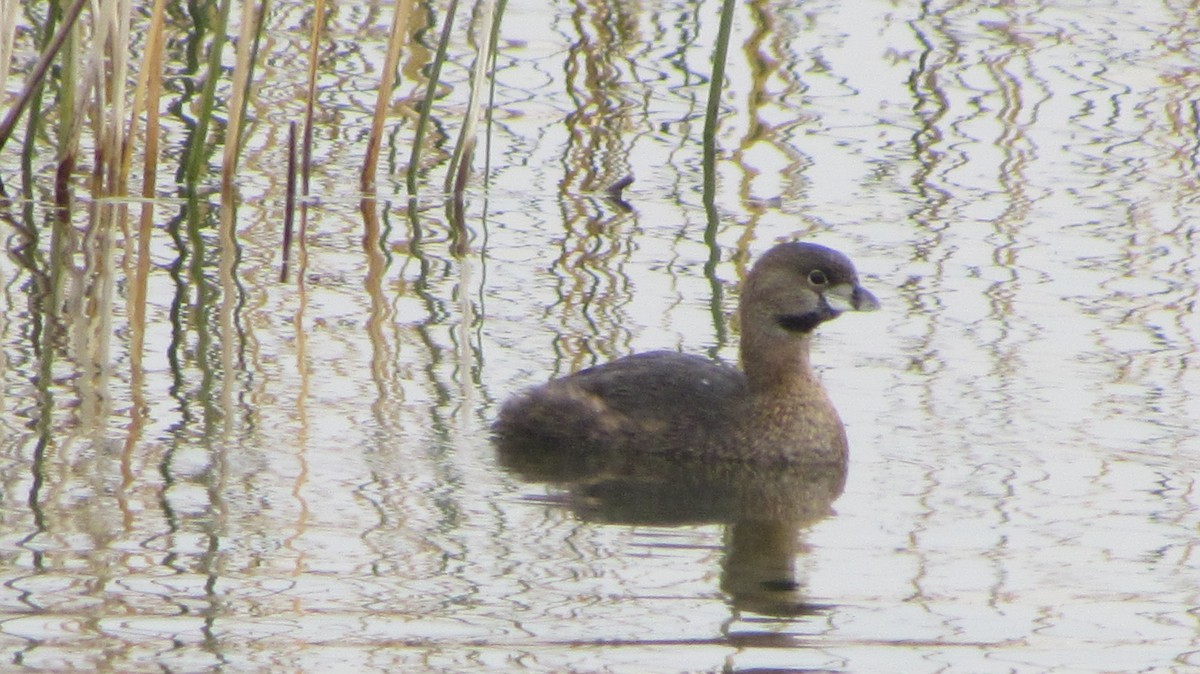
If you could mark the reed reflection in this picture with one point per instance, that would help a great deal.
(389, 392)
(594, 285)
(597, 150)
(596, 157)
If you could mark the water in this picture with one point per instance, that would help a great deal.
(298, 477)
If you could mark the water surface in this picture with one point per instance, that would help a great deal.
(298, 475)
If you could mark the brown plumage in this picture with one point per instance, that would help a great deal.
(773, 409)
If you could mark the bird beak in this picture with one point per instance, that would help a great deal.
(850, 297)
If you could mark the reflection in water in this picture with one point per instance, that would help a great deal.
(764, 509)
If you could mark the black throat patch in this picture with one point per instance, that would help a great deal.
(804, 323)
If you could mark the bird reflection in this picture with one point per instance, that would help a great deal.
(764, 509)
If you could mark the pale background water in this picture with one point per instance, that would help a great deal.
(299, 477)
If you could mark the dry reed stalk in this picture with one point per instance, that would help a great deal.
(314, 45)
(495, 40)
(460, 162)
(139, 90)
(91, 99)
(109, 47)
(251, 22)
(151, 75)
(387, 82)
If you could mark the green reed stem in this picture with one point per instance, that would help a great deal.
(194, 160)
(35, 120)
(435, 72)
(713, 110)
(711, 122)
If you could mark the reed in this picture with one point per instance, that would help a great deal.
(387, 82)
(712, 118)
(305, 159)
(8, 32)
(147, 94)
(712, 113)
(289, 210)
(435, 72)
(102, 102)
(99, 95)
(111, 34)
(495, 41)
(197, 146)
(247, 49)
(310, 101)
(69, 121)
(149, 90)
(34, 82)
(460, 161)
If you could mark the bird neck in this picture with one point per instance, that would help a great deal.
(776, 361)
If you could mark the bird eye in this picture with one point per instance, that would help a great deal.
(817, 277)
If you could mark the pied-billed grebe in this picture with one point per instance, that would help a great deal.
(774, 409)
